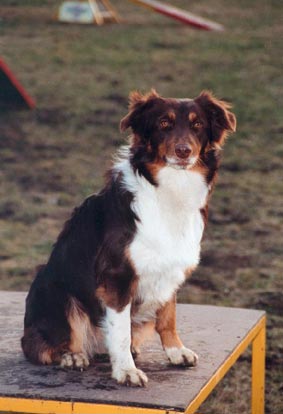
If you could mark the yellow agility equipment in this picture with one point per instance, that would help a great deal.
(218, 334)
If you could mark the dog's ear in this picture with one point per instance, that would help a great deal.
(220, 119)
(138, 103)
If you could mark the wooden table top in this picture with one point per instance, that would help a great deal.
(212, 332)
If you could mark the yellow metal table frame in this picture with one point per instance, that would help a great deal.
(254, 337)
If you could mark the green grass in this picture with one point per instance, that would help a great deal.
(54, 156)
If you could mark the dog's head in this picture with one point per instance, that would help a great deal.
(177, 132)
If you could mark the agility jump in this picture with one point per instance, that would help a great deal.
(180, 15)
(100, 11)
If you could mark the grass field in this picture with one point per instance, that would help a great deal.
(54, 156)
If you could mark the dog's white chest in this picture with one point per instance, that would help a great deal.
(168, 235)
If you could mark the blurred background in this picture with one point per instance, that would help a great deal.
(53, 156)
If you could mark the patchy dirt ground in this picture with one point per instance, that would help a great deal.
(54, 156)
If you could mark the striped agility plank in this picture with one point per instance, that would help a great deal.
(180, 15)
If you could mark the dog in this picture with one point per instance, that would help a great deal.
(117, 264)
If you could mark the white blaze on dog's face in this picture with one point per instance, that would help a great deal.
(176, 132)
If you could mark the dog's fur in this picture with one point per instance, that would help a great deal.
(123, 254)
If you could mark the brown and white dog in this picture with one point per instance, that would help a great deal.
(117, 264)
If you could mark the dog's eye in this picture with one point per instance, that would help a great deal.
(164, 124)
(197, 124)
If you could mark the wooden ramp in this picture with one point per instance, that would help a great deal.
(219, 336)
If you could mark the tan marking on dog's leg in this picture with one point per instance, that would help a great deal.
(176, 352)
(45, 357)
(35, 348)
(82, 336)
(166, 325)
(109, 296)
(140, 332)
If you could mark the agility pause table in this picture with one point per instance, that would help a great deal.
(219, 335)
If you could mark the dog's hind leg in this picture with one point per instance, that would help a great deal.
(65, 338)
(82, 339)
(35, 348)
(44, 342)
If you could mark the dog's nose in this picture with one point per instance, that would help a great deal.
(182, 151)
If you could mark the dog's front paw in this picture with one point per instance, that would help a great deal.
(182, 356)
(74, 360)
(132, 377)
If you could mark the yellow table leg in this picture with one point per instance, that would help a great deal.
(258, 371)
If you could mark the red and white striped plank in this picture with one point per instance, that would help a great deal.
(180, 15)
